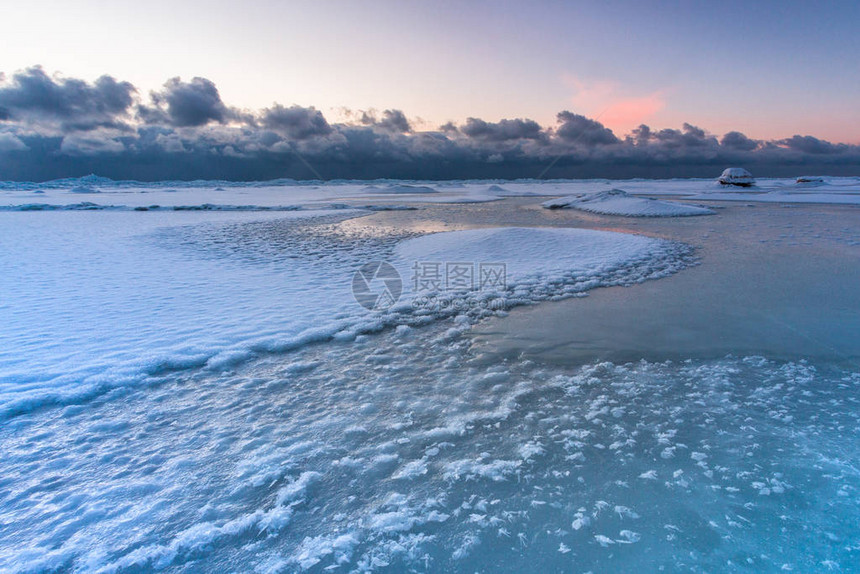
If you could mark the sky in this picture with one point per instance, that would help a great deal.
(493, 81)
(768, 69)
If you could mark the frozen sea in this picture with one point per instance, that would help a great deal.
(188, 383)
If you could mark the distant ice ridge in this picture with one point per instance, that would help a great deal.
(96, 301)
(619, 202)
(285, 193)
(90, 206)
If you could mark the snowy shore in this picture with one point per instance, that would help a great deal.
(202, 389)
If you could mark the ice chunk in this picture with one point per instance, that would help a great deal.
(736, 176)
(628, 537)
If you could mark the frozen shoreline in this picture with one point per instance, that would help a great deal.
(230, 338)
(416, 448)
(184, 290)
(99, 193)
(401, 451)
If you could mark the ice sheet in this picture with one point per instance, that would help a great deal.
(399, 453)
(153, 420)
(95, 300)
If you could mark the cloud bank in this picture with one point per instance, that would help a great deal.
(52, 127)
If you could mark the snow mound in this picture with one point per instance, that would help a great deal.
(736, 176)
(538, 257)
(619, 202)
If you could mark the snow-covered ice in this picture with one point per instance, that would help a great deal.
(441, 467)
(99, 300)
(196, 389)
(95, 193)
(619, 202)
(736, 176)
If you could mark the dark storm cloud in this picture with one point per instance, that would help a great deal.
(640, 135)
(813, 145)
(395, 120)
(295, 122)
(738, 141)
(75, 105)
(449, 128)
(688, 137)
(504, 130)
(392, 120)
(52, 128)
(187, 104)
(579, 129)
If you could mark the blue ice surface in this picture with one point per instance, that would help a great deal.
(398, 451)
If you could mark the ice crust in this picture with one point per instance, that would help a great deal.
(432, 461)
(163, 405)
(95, 302)
(619, 202)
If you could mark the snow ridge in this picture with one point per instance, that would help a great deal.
(619, 202)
